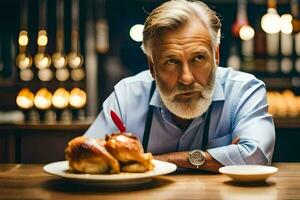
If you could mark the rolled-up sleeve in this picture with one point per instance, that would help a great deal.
(252, 124)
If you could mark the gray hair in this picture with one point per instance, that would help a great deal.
(172, 14)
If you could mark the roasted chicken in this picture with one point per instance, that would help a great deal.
(127, 149)
(89, 155)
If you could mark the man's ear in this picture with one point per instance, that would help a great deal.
(217, 55)
(151, 67)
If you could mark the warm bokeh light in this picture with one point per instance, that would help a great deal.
(77, 98)
(43, 99)
(23, 61)
(42, 38)
(59, 60)
(42, 61)
(246, 32)
(286, 23)
(270, 21)
(23, 38)
(102, 36)
(62, 74)
(26, 75)
(45, 74)
(77, 74)
(60, 98)
(25, 99)
(136, 32)
(75, 60)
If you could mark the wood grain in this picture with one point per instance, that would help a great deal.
(28, 181)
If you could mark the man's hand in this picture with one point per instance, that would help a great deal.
(181, 159)
(178, 158)
(236, 140)
(162, 157)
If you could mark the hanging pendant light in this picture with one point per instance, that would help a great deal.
(59, 58)
(23, 59)
(60, 99)
(43, 99)
(241, 27)
(77, 98)
(295, 15)
(25, 99)
(286, 23)
(77, 102)
(42, 60)
(270, 21)
(75, 59)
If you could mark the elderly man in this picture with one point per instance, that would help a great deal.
(186, 109)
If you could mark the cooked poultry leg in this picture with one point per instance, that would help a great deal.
(89, 155)
(127, 149)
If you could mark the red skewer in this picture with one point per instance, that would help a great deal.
(118, 122)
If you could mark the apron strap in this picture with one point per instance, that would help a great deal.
(206, 128)
(148, 119)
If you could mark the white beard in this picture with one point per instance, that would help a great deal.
(193, 108)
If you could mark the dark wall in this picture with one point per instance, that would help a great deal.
(121, 15)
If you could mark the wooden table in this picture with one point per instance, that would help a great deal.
(27, 181)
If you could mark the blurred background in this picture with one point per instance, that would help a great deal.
(59, 60)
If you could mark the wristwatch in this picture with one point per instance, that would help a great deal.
(196, 157)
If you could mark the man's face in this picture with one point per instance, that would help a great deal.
(183, 65)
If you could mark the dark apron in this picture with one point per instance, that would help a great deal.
(150, 116)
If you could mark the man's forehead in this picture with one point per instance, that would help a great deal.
(184, 41)
(193, 31)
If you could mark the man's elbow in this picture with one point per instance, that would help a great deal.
(254, 155)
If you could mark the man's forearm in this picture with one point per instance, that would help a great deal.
(181, 160)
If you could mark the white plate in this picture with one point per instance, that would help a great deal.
(61, 169)
(248, 173)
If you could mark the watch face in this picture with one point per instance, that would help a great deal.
(196, 157)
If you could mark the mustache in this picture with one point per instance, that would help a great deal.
(194, 87)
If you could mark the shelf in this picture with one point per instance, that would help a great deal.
(59, 126)
(280, 122)
(287, 122)
(277, 83)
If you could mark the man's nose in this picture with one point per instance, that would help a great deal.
(186, 76)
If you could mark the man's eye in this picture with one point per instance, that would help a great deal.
(199, 58)
(171, 62)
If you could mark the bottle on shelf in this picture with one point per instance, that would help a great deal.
(260, 51)
(286, 43)
(1, 61)
(234, 60)
(272, 50)
(296, 32)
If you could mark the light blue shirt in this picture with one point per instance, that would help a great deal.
(239, 110)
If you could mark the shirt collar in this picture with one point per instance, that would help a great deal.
(156, 100)
(218, 94)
